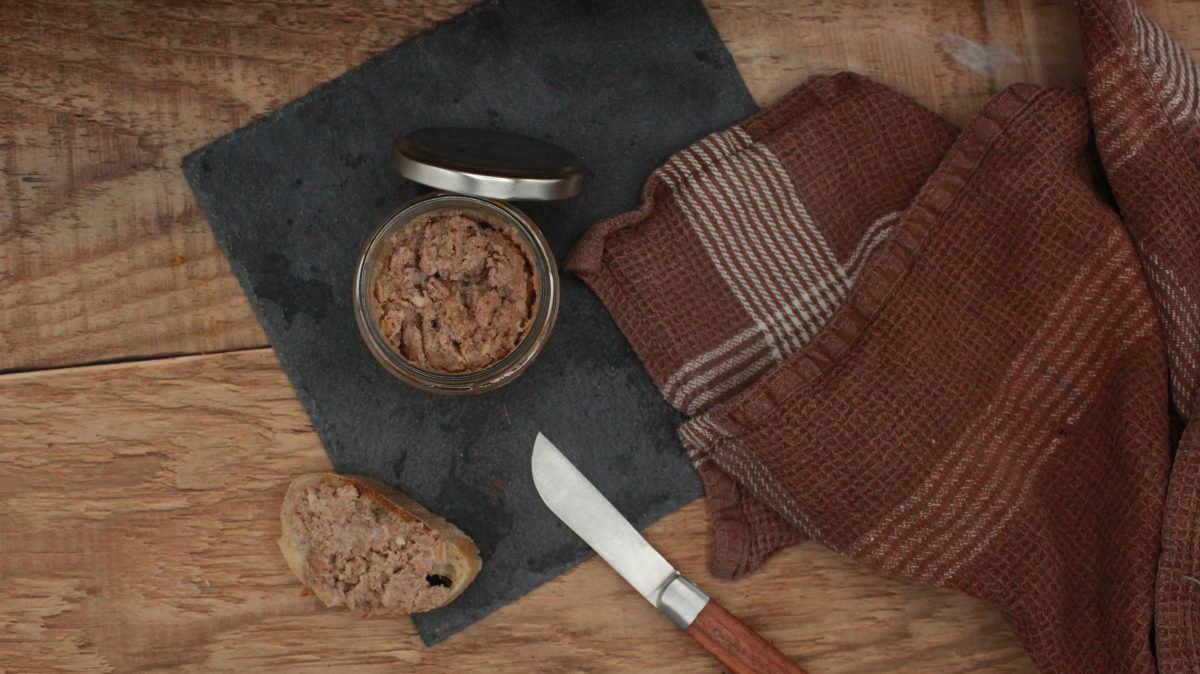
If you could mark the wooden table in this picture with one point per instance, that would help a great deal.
(147, 431)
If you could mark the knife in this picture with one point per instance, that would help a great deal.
(582, 507)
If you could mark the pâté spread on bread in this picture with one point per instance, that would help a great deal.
(357, 543)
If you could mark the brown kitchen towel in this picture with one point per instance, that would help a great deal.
(769, 242)
(986, 411)
(979, 399)
(1145, 95)
(1177, 596)
(769, 224)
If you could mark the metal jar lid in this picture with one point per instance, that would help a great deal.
(488, 164)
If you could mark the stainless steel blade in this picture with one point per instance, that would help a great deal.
(581, 506)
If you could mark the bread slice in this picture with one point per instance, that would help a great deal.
(358, 543)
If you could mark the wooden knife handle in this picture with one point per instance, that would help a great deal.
(736, 646)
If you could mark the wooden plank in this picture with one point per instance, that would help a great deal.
(105, 253)
(949, 56)
(138, 518)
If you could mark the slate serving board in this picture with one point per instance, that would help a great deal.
(292, 198)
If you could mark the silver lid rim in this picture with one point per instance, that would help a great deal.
(491, 187)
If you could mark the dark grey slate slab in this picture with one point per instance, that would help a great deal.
(292, 198)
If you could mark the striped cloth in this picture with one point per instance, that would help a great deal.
(1145, 95)
(950, 356)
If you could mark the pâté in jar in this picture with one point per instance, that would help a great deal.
(457, 291)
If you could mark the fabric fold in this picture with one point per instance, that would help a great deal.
(981, 413)
(768, 224)
(1145, 94)
(1177, 593)
(960, 359)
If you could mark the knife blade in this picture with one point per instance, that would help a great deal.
(577, 502)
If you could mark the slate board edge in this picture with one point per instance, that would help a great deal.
(307, 98)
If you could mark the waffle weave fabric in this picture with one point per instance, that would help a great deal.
(962, 358)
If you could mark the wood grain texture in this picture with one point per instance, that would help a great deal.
(949, 56)
(138, 502)
(138, 516)
(736, 646)
(105, 254)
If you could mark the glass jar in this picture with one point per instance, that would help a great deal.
(476, 170)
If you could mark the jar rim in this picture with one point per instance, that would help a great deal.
(494, 375)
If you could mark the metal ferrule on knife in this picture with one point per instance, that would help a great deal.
(681, 601)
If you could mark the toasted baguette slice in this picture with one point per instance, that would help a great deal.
(358, 543)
